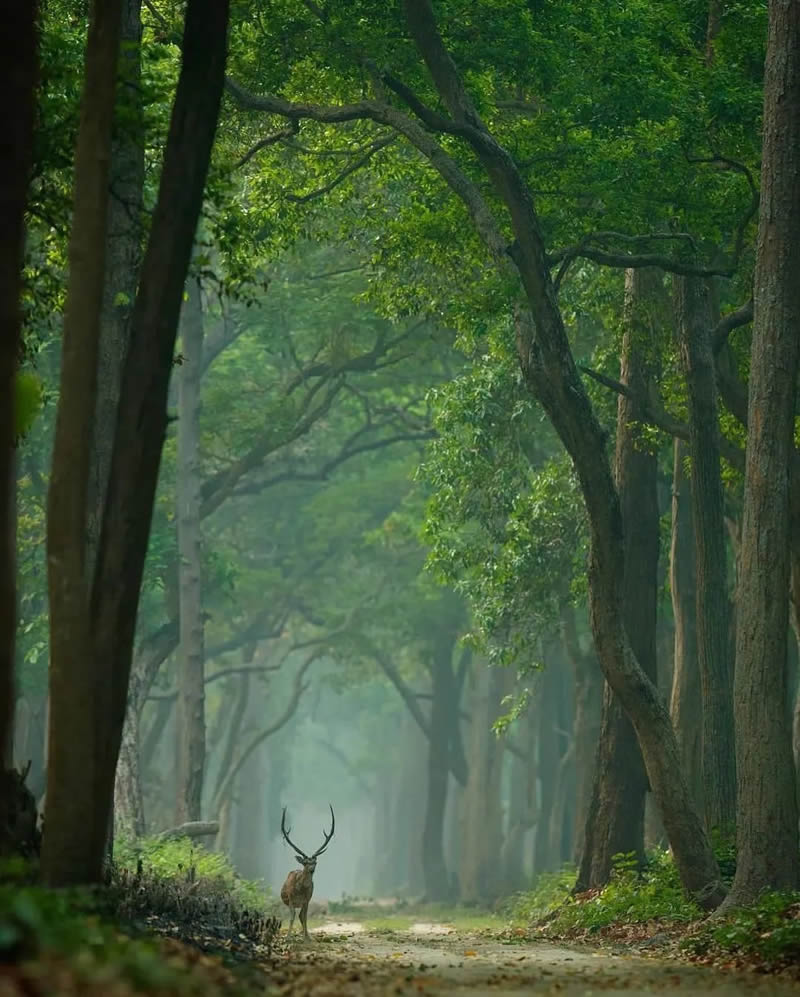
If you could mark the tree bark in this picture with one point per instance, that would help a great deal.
(444, 713)
(128, 793)
(767, 837)
(481, 828)
(547, 764)
(190, 716)
(621, 781)
(124, 239)
(19, 65)
(549, 370)
(74, 842)
(78, 835)
(686, 703)
(588, 680)
(694, 321)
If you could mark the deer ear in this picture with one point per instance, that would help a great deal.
(299, 859)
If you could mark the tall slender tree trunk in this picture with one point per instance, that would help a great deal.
(76, 825)
(621, 781)
(686, 704)
(767, 837)
(191, 725)
(18, 77)
(561, 818)
(481, 823)
(133, 757)
(548, 757)
(694, 320)
(588, 680)
(442, 718)
(123, 255)
(100, 655)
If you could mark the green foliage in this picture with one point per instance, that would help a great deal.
(550, 891)
(505, 522)
(182, 859)
(28, 401)
(769, 930)
(49, 929)
(631, 897)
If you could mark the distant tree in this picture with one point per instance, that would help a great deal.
(19, 59)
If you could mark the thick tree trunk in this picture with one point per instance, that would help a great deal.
(19, 62)
(191, 724)
(694, 322)
(686, 705)
(767, 838)
(99, 696)
(621, 781)
(76, 824)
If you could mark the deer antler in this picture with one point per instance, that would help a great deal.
(285, 833)
(327, 837)
(300, 851)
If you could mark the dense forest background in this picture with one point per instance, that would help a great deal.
(470, 333)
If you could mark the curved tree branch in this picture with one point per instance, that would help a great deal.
(291, 707)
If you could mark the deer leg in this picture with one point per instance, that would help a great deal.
(304, 918)
(291, 919)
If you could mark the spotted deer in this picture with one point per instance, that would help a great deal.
(299, 886)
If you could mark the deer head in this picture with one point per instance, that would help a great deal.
(308, 862)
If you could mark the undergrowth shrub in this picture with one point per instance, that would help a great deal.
(181, 860)
(631, 897)
(175, 885)
(769, 930)
(48, 934)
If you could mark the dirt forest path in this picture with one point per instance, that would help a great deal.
(345, 959)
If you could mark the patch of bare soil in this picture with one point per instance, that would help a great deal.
(369, 964)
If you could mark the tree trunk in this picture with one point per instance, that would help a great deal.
(549, 370)
(694, 323)
(588, 680)
(767, 838)
(128, 791)
(686, 704)
(621, 781)
(19, 64)
(443, 706)
(75, 822)
(481, 824)
(124, 238)
(99, 695)
(547, 764)
(191, 724)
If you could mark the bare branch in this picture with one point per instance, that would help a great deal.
(726, 325)
(191, 829)
(284, 133)
(635, 261)
(298, 689)
(344, 174)
(385, 114)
